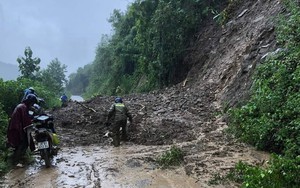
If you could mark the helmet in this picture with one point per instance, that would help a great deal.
(31, 98)
(118, 100)
(31, 88)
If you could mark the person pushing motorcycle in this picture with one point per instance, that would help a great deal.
(16, 136)
(118, 114)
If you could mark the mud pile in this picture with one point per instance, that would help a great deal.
(168, 116)
(190, 113)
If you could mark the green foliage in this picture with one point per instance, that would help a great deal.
(79, 81)
(3, 150)
(28, 66)
(280, 173)
(172, 157)
(53, 77)
(288, 30)
(147, 48)
(11, 93)
(271, 118)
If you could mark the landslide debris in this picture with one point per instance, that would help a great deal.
(190, 114)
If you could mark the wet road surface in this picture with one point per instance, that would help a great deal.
(107, 167)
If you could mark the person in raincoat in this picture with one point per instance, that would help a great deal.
(16, 135)
(118, 114)
(64, 100)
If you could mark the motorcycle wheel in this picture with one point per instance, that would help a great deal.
(46, 157)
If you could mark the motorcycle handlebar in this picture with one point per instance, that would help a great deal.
(28, 127)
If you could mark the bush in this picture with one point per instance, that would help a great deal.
(281, 173)
(11, 94)
(3, 151)
(172, 157)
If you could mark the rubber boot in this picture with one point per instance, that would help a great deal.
(116, 140)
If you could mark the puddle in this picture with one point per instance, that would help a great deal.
(92, 166)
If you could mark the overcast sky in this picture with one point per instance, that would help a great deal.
(65, 29)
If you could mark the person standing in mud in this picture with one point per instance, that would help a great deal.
(64, 100)
(16, 136)
(118, 114)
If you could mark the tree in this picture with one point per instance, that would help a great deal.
(78, 82)
(53, 77)
(29, 66)
(148, 45)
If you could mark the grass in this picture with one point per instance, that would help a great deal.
(172, 157)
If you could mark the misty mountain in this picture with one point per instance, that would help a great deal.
(8, 71)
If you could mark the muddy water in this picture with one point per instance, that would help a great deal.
(93, 166)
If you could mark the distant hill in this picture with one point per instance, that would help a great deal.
(8, 71)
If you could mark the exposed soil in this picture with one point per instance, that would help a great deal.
(190, 114)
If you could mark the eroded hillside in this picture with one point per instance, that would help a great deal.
(227, 56)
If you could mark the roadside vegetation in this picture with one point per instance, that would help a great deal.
(147, 48)
(48, 83)
(270, 120)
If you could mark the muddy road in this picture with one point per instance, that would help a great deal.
(161, 119)
(94, 166)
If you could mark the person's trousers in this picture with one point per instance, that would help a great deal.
(116, 132)
(20, 150)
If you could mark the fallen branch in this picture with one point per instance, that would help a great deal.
(142, 107)
(93, 110)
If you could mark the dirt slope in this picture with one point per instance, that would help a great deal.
(186, 114)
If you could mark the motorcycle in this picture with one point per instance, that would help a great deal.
(44, 137)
